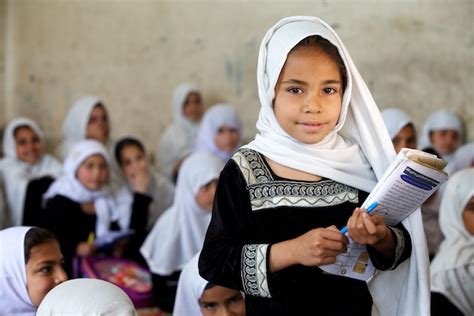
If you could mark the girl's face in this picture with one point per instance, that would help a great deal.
(227, 138)
(93, 172)
(205, 195)
(468, 216)
(406, 138)
(445, 141)
(98, 126)
(308, 95)
(133, 161)
(193, 108)
(222, 301)
(29, 147)
(44, 270)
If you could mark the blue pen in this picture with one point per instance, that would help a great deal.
(371, 207)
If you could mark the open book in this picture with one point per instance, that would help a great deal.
(408, 182)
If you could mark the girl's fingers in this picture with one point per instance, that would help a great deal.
(369, 224)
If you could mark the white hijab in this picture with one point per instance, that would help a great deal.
(463, 158)
(357, 152)
(395, 120)
(440, 120)
(191, 286)
(179, 233)
(17, 174)
(75, 124)
(14, 298)
(452, 270)
(69, 186)
(86, 297)
(179, 138)
(216, 117)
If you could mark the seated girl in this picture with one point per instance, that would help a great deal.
(30, 266)
(400, 128)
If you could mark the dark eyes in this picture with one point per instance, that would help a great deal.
(210, 306)
(295, 90)
(326, 90)
(329, 90)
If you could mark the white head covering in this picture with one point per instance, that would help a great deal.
(179, 233)
(440, 120)
(190, 289)
(17, 174)
(179, 138)
(452, 270)
(463, 158)
(75, 124)
(357, 152)
(216, 117)
(91, 297)
(69, 186)
(395, 120)
(14, 298)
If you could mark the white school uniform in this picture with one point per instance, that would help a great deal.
(357, 153)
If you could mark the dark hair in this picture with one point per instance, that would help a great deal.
(35, 237)
(209, 285)
(329, 49)
(126, 142)
(15, 131)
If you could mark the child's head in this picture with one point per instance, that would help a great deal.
(221, 301)
(187, 103)
(30, 266)
(468, 216)
(400, 128)
(443, 131)
(192, 107)
(205, 195)
(23, 140)
(98, 126)
(88, 162)
(43, 261)
(131, 156)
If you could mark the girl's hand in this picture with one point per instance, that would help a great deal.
(140, 181)
(370, 230)
(85, 249)
(317, 247)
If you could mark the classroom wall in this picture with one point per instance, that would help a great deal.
(416, 55)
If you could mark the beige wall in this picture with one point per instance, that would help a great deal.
(417, 55)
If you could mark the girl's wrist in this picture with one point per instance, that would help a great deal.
(281, 256)
(386, 244)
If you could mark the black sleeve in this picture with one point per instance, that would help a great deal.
(402, 250)
(32, 209)
(140, 210)
(220, 259)
(441, 306)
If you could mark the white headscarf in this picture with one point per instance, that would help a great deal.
(75, 124)
(179, 138)
(86, 297)
(216, 117)
(357, 152)
(440, 120)
(463, 158)
(395, 120)
(179, 233)
(69, 186)
(17, 174)
(191, 286)
(452, 270)
(14, 298)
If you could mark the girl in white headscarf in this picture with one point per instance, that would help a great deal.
(220, 131)
(27, 171)
(87, 297)
(87, 119)
(452, 270)
(178, 234)
(197, 297)
(79, 203)
(30, 267)
(400, 128)
(443, 132)
(281, 200)
(179, 138)
(463, 158)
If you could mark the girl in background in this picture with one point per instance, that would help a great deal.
(220, 131)
(179, 233)
(27, 171)
(452, 270)
(443, 132)
(197, 297)
(463, 158)
(178, 140)
(30, 266)
(400, 128)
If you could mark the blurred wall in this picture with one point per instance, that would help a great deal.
(416, 55)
